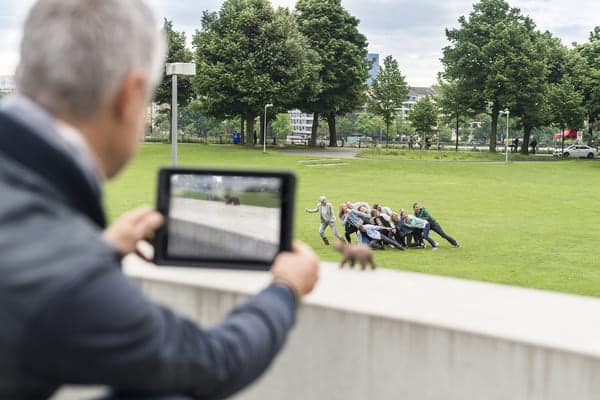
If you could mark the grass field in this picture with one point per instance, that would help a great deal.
(525, 223)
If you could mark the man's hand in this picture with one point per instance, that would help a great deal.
(298, 269)
(132, 227)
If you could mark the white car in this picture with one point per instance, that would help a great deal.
(577, 151)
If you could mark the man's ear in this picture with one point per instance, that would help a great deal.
(131, 91)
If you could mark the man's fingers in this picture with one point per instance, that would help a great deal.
(147, 224)
(141, 213)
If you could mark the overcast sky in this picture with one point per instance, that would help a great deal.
(412, 31)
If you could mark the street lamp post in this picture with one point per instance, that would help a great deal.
(175, 69)
(265, 133)
(507, 113)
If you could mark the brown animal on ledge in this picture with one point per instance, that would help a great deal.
(232, 200)
(355, 253)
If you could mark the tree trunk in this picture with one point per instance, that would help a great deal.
(332, 131)
(242, 133)
(315, 128)
(262, 134)
(387, 133)
(526, 136)
(457, 130)
(494, 130)
(250, 131)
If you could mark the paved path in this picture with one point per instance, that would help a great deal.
(327, 152)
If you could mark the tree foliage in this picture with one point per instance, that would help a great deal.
(177, 52)
(587, 80)
(333, 33)
(250, 55)
(423, 116)
(493, 57)
(388, 93)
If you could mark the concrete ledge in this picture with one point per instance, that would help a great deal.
(390, 335)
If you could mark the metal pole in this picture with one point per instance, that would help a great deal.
(174, 121)
(507, 143)
(265, 131)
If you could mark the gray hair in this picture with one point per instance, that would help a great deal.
(76, 53)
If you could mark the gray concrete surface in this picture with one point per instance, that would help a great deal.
(199, 228)
(399, 335)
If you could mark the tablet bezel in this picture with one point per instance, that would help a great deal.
(161, 239)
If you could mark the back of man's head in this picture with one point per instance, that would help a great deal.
(76, 53)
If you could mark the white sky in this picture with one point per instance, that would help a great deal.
(412, 31)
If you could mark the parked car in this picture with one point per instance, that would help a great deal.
(577, 151)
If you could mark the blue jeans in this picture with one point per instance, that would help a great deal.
(426, 236)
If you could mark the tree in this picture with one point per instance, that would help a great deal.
(587, 80)
(453, 103)
(333, 33)
(388, 92)
(565, 105)
(177, 52)
(423, 115)
(491, 57)
(249, 55)
(282, 125)
(369, 124)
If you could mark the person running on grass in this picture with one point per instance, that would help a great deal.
(325, 210)
(421, 212)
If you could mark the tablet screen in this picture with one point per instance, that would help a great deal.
(224, 217)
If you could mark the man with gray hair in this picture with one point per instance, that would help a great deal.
(68, 314)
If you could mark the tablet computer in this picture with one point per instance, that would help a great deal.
(214, 218)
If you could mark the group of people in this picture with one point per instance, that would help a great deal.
(379, 226)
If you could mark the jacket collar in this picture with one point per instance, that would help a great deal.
(20, 144)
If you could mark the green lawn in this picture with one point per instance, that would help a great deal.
(525, 224)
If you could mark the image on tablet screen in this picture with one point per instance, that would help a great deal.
(221, 217)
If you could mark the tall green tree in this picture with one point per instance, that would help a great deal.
(249, 55)
(587, 80)
(333, 33)
(566, 106)
(454, 103)
(177, 52)
(491, 55)
(387, 93)
(423, 116)
(282, 125)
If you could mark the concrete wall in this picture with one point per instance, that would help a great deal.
(397, 335)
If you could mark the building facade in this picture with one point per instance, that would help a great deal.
(414, 94)
(301, 122)
(374, 71)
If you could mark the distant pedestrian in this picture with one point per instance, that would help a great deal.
(516, 144)
(325, 210)
(422, 213)
(533, 145)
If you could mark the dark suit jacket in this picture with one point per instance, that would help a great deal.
(69, 315)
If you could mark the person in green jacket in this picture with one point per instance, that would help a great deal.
(421, 212)
(325, 210)
(419, 225)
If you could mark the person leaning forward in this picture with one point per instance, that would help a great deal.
(68, 314)
(421, 212)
